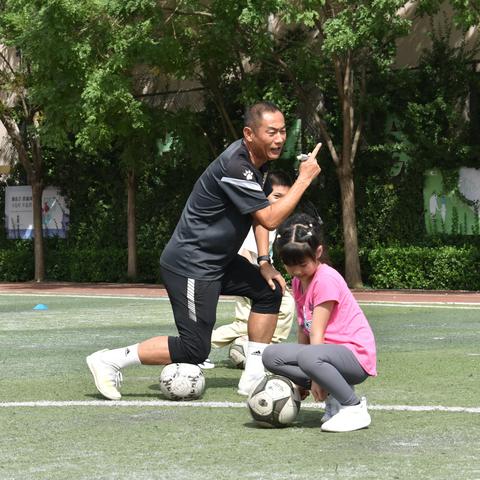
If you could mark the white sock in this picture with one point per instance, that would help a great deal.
(253, 364)
(123, 357)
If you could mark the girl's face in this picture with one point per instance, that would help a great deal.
(306, 269)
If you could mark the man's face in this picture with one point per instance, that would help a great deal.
(278, 191)
(267, 139)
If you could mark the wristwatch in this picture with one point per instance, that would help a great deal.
(264, 258)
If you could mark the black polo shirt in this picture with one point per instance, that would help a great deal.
(217, 216)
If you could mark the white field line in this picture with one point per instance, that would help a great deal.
(370, 303)
(199, 404)
(71, 295)
(456, 305)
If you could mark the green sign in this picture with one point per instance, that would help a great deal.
(452, 206)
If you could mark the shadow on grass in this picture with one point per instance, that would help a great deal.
(305, 419)
(213, 382)
(136, 396)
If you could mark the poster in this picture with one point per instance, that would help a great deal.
(452, 205)
(19, 213)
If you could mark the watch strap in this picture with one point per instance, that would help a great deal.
(264, 258)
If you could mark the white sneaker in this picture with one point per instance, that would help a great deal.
(332, 407)
(349, 418)
(246, 383)
(108, 378)
(207, 364)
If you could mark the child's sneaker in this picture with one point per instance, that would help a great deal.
(246, 383)
(332, 407)
(207, 364)
(349, 418)
(108, 377)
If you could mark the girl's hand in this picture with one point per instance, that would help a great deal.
(303, 392)
(319, 394)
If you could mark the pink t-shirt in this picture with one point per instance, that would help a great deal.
(347, 325)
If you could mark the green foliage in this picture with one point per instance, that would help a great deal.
(16, 264)
(467, 12)
(424, 109)
(435, 117)
(439, 268)
(90, 62)
(77, 264)
(365, 27)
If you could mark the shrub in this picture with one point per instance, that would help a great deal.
(77, 265)
(17, 265)
(440, 268)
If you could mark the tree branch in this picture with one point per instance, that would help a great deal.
(7, 63)
(16, 138)
(196, 13)
(358, 130)
(318, 120)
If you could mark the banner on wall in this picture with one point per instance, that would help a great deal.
(452, 207)
(19, 213)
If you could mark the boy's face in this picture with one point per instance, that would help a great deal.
(278, 191)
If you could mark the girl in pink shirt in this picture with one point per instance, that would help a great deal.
(336, 346)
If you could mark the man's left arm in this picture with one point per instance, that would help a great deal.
(267, 270)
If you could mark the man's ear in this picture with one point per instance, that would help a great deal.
(248, 134)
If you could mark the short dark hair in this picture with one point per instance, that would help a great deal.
(254, 113)
(298, 238)
(279, 178)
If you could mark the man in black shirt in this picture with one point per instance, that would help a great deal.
(201, 260)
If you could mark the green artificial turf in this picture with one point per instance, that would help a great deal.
(426, 357)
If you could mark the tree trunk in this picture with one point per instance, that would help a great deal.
(33, 167)
(132, 270)
(350, 238)
(37, 190)
(345, 85)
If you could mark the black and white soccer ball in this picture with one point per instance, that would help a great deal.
(274, 401)
(182, 381)
(237, 352)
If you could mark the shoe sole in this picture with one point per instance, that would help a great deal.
(92, 370)
(360, 427)
(344, 431)
(243, 393)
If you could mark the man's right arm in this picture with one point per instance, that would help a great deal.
(272, 216)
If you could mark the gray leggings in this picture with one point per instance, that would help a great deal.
(334, 367)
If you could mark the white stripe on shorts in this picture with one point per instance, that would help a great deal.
(192, 314)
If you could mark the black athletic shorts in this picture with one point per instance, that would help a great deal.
(194, 305)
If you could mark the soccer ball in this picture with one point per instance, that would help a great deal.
(182, 381)
(238, 351)
(274, 401)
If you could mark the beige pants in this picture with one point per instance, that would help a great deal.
(226, 334)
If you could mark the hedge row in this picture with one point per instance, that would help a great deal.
(442, 268)
(85, 265)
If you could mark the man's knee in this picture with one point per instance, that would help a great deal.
(188, 350)
(268, 301)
